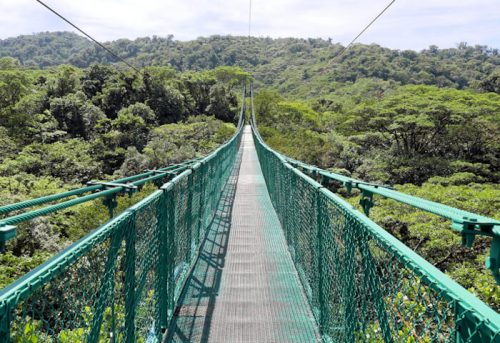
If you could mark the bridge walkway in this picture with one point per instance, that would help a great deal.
(244, 286)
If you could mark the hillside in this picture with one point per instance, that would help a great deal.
(299, 67)
(62, 127)
(425, 122)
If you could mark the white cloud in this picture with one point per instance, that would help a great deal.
(407, 24)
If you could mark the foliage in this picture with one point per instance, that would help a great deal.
(15, 266)
(79, 124)
(174, 143)
(62, 127)
(232, 76)
(491, 83)
(299, 67)
(408, 134)
(68, 160)
(223, 104)
(75, 115)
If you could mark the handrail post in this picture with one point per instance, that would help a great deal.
(192, 244)
(5, 319)
(162, 272)
(112, 331)
(493, 261)
(106, 283)
(171, 251)
(285, 186)
(201, 215)
(366, 202)
(130, 301)
(373, 287)
(111, 203)
(348, 272)
(293, 231)
(322, 288)
(198, 189)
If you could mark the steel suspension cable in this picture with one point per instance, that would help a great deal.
(249, 19)
(109, 51)
(362, 32)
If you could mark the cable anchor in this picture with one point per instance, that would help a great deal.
(366, 201)
(7, 232)
(110, 201)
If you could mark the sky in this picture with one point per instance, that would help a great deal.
(408, 24)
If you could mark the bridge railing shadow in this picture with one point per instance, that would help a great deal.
(193, 315)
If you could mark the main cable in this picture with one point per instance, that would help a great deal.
(249, 28)
(109, 51)
(249, 19)
(362, 31)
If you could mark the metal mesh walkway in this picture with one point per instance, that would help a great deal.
(244, 286)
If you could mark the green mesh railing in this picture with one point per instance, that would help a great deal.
(362, 283)
(468, 224)
(121, 282)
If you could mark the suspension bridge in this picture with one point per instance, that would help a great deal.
(243, 245)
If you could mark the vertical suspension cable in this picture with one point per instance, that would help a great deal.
(250, 28)
(249, 19)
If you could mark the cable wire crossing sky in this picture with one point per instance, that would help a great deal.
(407, 24)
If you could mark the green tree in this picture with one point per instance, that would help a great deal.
(198, 87)
(66, 81)
(132, 129)
(69, 160)
(173, 143)
(94, 79)
(168, 103)
(491, 83)
(14, 84)
(231, 76)
(223, 103)
(141, 110)
(8, 63)
(76, 115)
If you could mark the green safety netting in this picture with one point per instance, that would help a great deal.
(363, 284)
(121, 282)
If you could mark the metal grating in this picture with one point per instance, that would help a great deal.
(244, 287)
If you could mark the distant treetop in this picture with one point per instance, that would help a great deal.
(292, 65)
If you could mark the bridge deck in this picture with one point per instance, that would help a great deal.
(244, 286)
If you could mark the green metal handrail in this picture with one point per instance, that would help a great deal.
(349, 265)
(108, 191)
(466, 223)
(54, 197)
(468, 220)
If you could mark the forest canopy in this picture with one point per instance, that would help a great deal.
(300, 67)
(424, 122)
(64, 126)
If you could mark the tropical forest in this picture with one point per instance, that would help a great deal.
(425, 123)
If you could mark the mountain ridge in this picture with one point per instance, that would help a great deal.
(296, 66)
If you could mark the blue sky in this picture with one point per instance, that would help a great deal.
(408, 24)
